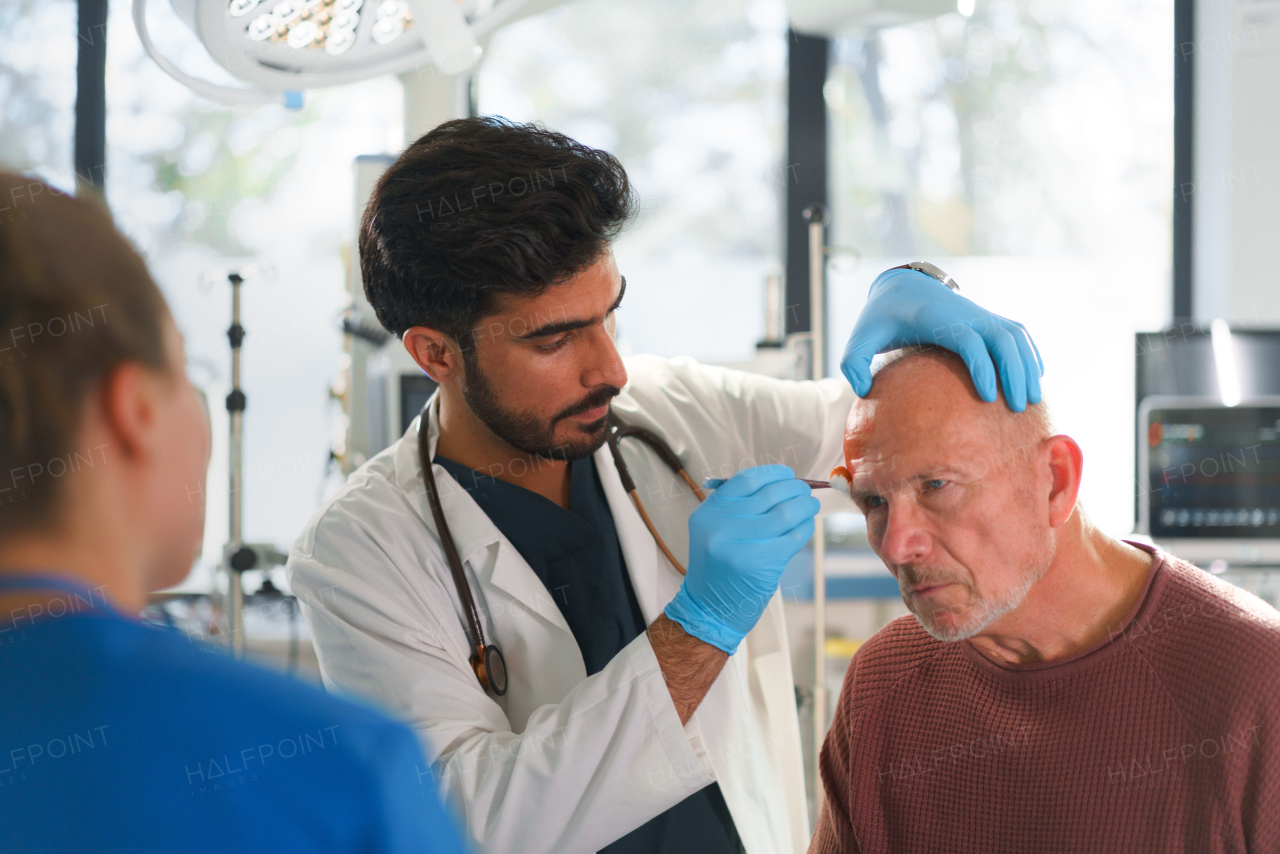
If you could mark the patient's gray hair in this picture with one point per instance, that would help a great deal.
(1017, 434)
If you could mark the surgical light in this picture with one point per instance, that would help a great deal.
(281, 47)
(854, 17)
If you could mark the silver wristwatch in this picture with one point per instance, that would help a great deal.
(932, 271)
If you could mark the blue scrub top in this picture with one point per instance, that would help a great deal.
(577, 556)
(117, 736)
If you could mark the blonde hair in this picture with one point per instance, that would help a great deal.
(76, 300)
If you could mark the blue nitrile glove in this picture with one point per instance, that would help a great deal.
(907, 307)
(740, 540)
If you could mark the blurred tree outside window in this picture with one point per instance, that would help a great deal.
(691, 97)
(1030, 127)
(202, 189)
(38, 88)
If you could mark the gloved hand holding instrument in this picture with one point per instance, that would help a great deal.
(740, 540)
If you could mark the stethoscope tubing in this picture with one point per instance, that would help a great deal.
(483, 653)
(480, 656)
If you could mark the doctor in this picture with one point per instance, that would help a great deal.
(633, 707)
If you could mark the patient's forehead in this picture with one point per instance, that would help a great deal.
(921, 404)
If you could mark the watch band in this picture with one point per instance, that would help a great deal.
(930, 270)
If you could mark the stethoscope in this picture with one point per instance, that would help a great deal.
(486, 659)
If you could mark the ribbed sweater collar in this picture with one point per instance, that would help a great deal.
(1117, 642)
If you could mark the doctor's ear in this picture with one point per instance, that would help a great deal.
(435, 352)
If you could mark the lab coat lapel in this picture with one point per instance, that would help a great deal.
(473, 530)
(653, 578)
(722, 721)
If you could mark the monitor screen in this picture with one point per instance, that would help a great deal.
(1211, 471)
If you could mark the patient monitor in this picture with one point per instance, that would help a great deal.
(1209, 478)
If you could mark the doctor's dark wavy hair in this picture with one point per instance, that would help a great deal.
(485, 206)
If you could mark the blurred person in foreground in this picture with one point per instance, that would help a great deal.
(116, 736)
(1054, 689)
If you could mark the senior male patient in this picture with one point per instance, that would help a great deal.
(1055, 689)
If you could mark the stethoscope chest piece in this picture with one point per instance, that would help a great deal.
(490, 668)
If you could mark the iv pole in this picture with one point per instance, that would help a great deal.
(238, 556)
(816, 217)
(235, 409)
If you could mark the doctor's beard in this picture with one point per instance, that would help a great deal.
(530, 433)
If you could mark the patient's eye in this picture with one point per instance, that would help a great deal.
(934, 483)
(871, 502)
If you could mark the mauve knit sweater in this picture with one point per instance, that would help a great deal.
(1164, 738)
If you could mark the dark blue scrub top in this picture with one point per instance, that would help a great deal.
(577, 556)
(118, 737)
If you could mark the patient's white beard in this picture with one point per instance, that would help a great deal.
(982, 612)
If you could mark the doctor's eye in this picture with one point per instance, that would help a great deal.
(554, 345)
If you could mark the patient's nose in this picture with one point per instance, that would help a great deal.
(904, 539)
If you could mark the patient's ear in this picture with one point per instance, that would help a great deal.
(1066, 463)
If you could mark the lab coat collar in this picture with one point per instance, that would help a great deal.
(653, 578)
(472, 529)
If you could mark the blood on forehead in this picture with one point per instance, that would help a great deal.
(858, 430)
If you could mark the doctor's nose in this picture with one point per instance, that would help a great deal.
(605, 366)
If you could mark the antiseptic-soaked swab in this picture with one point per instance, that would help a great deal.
(839, 481)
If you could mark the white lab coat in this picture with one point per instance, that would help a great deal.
(565, 763)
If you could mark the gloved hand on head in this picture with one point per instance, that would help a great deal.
(740, 540)
(907, 307)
